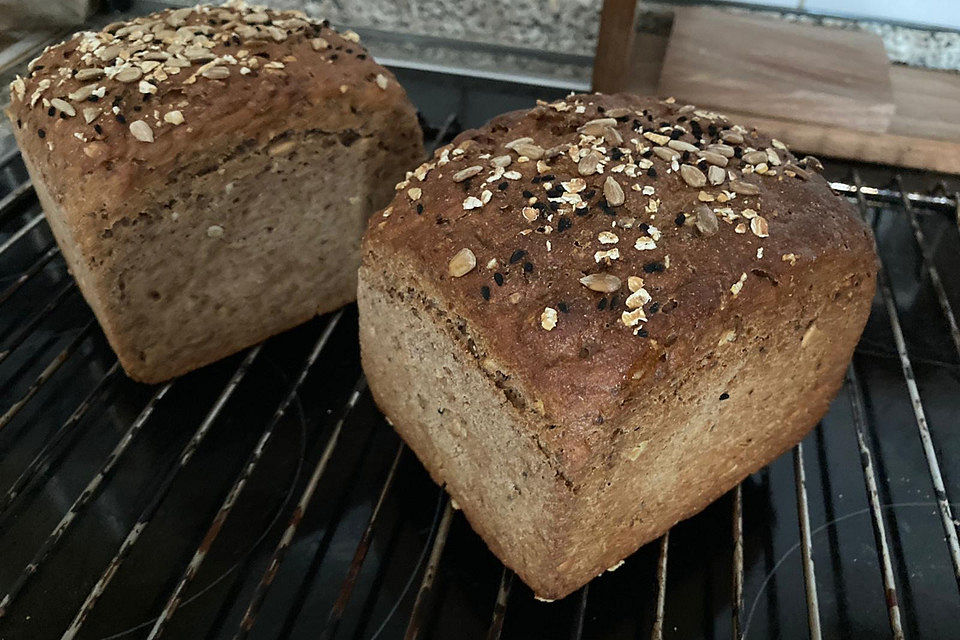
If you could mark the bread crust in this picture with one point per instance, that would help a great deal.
(740, 342)
(134, 137)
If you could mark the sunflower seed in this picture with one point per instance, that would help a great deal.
(128, 74)
(723, 149)
(141, 131)
(755, 157)
(716, 175)
(532, 151)
(589, 164)
(706, 220)
(731, 136)
(214, 230)
(501, 161)
(772, 157)
(744, 188)
(382, 81)
(108, 53)
(680, 145)
(513, 143)
(596, 127)
(469, 172)
(89, 74)
(90, 114)
(779, 145)
(797, 171)
(216, 73)
(666, 154)
(462, 263)
(613, 192)
(63, 106)
(714, 158)
(256, 18)
(692, 176)
(602, 282)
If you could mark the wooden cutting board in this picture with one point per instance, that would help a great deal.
(776, 69)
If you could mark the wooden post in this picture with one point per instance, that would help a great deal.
(614, 45)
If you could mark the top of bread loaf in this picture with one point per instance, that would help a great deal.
(127, 100)
(588, 241)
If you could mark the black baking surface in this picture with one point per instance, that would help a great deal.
(622, 604)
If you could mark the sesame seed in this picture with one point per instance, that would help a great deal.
(462, 263)
(602, 282)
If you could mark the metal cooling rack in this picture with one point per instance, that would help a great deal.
(265, 497)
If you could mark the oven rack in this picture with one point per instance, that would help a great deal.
(309, 571)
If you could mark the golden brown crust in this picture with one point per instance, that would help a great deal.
(101, 113)
(575, 359)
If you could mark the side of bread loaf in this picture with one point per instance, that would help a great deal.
(593, 318)
(208, 173)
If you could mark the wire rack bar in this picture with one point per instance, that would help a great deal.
(151, 509)
(280, 552)
(892, 195)
(873, 497)
(200, 554)
(932, 270)
(576, 632)
(933, 463)
(806, 544)
(19, 191)
(24, 331)
(30, 272)
(657, 632)
(425, 593)
(22, 231)
(360, 553)
(737, 604)
(83, 499)
(46, 374)
(9, 156)
(500, 605)
(40, 462)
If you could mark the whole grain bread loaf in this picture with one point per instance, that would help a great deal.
(593, 318)
(208, 173)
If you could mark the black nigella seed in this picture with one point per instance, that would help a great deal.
(623, 118)
(41, 133)
(602, 304)
(528, 267)
(564, 224)
(562, 307)
(517, 256)
(98, 128)
(361, 56)
(419, 208)
(606, 208)
(485, 292)
(614, 301)
(121, 119)
(539, 206)
(644, 227)
(654, 307)
(682, 119)
(642, 332)
(616, 154)
(737, 152)
(653, 267)
(51, 111)
(680, 219)
(652, 172)
(498, 278)
(600, 109)
(712, 130)
(548, 177)
(724, 395)
(536, 180)
(503, 186)
(589, 193)
(527, 193)
(685, 155)
(554, 206)
(93, 98)
(676, 134)
(137, 107)
(555, 192)
(582, 211)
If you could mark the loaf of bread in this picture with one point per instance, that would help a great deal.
(208, 173)
(591, 319)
